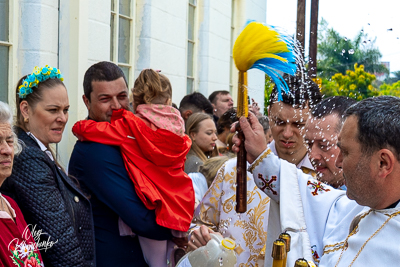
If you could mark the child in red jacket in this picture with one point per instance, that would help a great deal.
(154, 147)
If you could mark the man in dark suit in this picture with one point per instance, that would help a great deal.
(102, 174)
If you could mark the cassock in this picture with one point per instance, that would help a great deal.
(325, 225)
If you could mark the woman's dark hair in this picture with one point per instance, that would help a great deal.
(226, 120)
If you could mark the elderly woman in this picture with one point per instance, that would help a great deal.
(50, 200)
(17, 247)
(201, 129)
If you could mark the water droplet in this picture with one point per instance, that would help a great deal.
(351, 51)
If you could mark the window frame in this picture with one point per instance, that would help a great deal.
(233, 72)
(10, 44)
(114, 38)
(193, 42)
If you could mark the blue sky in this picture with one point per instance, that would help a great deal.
(348, 17)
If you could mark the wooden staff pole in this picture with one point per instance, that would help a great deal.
(241, 167)
(312, 54)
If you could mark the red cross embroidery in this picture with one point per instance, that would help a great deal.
(317, 187)
(268, 185)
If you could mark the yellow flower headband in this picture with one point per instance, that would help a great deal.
(38, 75)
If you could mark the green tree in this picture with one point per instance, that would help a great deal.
(337, 54)
(329, 88)
(269, 85)
(356, 84)
(390, 80)
(390, 89)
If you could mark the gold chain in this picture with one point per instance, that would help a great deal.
(365, 243)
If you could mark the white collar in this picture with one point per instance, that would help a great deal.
(41, 145)
(4, 214)
(305, 162)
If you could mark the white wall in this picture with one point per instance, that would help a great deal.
(38, 35)
(256, 10)
(214, 46)
(161, 40)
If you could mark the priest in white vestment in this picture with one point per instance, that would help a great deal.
(326, 225)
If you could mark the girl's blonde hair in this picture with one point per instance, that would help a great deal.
(151, 87)
(210, 168)
(193, 126)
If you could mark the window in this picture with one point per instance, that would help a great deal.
(5, 47)
(233, 70)
(122, 36)
(190, 87)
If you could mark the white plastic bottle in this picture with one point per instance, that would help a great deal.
(217, 253)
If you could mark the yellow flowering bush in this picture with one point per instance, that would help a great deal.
(390, 89)
(356, 84)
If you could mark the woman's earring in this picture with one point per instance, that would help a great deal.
(215, 110)
(26, 120)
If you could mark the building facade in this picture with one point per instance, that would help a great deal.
(190, 41)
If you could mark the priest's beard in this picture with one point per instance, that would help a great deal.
(360, 184)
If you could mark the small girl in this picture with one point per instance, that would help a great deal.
(154, 147)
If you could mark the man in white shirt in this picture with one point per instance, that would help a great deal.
(288, 117)
(352, 230)
(321, 133)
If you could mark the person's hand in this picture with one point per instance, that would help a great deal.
(181, 242)
(255, 142)
(200, 237)
(255, 108)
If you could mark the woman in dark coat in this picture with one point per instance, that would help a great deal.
(59, 213)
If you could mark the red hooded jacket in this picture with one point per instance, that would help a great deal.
(154, 161)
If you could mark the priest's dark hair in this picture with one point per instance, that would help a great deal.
(303, 92)
(336, 105)
(378, 123)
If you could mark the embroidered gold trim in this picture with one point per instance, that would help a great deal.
(362, 247)
(335, 247)
(258, 161)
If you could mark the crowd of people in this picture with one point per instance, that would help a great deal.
(149, 181)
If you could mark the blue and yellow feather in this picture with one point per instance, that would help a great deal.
(263, 47)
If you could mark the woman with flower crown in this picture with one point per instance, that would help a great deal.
(52, 203)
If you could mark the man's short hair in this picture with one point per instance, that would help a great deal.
(102, 71)
(302, 92)
(213, 97)
(264, 121)
(196, 102)
(378, 123)
(336, 105)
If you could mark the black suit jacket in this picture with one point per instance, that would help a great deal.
(52, 203)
